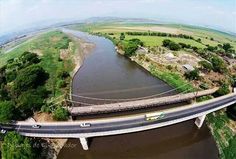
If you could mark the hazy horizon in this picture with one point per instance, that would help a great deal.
(19, 14)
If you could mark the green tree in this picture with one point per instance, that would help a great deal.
(192, 75)
(199, 40)
(29, 78)
(130, 48)
(6, 111)
(226, 47)
(218, 64)
(122, 36)
(223, 90)
(137, 41)
(60, 114)
(206, 65)
(17, 147)
(166, 42)
(174, 46)
(63, 74)
(171, 45)
(28, 102)
(28, 58)
(3, 75)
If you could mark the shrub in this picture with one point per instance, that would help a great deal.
(218, 64)
(204, 98)
(223, 90)
(60, 114)
(192, 75)
(62, 84)
(206, 65)
(17, 147)
(171, 45)
(6, 111)
(63, 75)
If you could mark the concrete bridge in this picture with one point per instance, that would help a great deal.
(138, 104)
(123, 124)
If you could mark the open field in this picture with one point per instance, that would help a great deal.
(207, 36)
(157, 41)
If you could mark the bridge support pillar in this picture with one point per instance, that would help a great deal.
(199, 121)
(84, 143)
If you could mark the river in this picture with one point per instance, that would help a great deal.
(106, 74)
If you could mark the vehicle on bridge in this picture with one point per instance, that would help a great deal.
(154, 116)
(84, 125)
(36, 126)
(3, 131)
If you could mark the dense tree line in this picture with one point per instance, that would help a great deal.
(171, 45)
(22, 87)
(160, 34)
(16, 146)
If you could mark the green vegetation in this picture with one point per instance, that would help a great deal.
(122, 36)
(32, 76)
(206, 65)
(130, 46)
(173, 79)
(33, 71)
(171, 45)
(223, 134)
(60, 114)
(204, 98)
(17, 147)
(6, 111)
(223, 90)
(192, 75)
(24, 92)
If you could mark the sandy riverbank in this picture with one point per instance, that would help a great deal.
(82, 50)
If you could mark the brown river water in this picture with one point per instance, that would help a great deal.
(106, 74)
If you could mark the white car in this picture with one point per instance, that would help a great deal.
(84, 125)
(3, 131)
(36, 126)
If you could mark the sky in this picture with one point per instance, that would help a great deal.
(17, 14)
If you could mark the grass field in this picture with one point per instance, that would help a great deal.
(204, 34)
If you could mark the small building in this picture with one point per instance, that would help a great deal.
(188, 67)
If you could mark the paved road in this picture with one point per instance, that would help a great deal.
(99, 126)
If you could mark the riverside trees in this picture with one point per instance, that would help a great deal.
(24, 92)
(17, 147)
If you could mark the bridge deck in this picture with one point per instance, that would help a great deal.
(139, 104)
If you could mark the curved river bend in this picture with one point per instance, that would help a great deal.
(106, 74)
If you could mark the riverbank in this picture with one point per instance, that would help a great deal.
(82, 50)
(60, 55)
